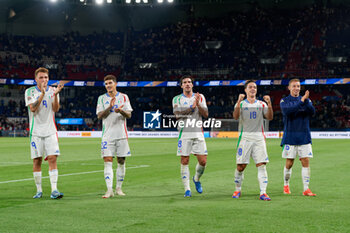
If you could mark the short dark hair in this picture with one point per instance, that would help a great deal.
(186, 76)
(247, 82)
(110, 77)
(42, 70)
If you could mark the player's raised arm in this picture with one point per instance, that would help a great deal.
(181, 113)
(125, 113)
(237, 110)
(201, 105)
(308, 104)
(56, 102)
(269, 114)
(35, 106)
(290, 107)
(103, 114)
(309, 107)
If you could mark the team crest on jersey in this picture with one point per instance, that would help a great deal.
(107, 102)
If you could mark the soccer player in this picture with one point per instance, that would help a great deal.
(189, 107)
(296, 139)
(43, 101)
(114, 108)
(251, 142)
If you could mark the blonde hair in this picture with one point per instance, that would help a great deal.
(41, 69)
(293, 80)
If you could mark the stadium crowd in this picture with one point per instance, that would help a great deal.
(261, 43)
(258, 44)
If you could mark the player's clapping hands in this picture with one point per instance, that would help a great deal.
(306, 96)
(59, 88)
(111, 104)
(43, 87)
(117, 110)
(196, 102)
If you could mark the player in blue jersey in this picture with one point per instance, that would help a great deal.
(296, 140)
(251, 143)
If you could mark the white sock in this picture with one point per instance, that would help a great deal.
(185, 176)
(287, 174)
(239, 177)
(199, 172)
(37, 179)
(108, 172)
(53, 179)
(305, 174)
(262, 177)
(120, 174)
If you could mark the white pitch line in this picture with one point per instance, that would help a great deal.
(71, 174)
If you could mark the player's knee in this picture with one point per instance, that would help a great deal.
(121, 160)
(185, 160)
(37, 164)
(289, 163)
(37, 161)
(240, 167)
(52, 158)
(304, 162)
(108, 159)
(202, 163)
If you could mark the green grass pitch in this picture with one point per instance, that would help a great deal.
(155, 202)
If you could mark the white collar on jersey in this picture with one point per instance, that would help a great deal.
(246, 100)
(115, 95)
(37, 88)
(186, 96)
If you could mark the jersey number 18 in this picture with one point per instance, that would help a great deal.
(252, 115)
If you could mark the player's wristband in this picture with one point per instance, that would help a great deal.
(192, 109)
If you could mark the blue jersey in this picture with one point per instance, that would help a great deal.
(296, 119)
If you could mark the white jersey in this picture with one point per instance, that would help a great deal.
(190, 130)
(114, 125)
(41, 122)
(251, 120)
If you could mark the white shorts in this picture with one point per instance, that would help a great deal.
(195, 146)
(291, 151)
(44, 146)
(254, 149)
(115, 148)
